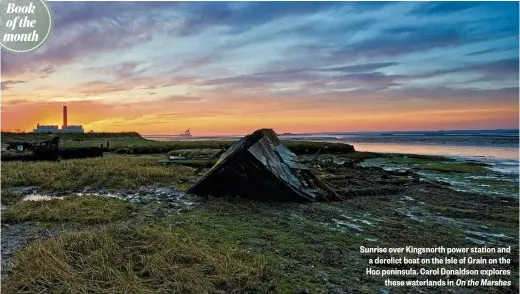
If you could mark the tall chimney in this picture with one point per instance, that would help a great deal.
(64, 117)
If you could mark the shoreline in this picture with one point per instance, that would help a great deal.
(312, 246)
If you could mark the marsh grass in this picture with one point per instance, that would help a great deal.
(194, 152)
(6, 136)
(80, 209)
(300, 248)
(143, 146)
(133, 143)
(123, 172)
(8, 196)
(456, 167)
(135, 259)
(491, 182)
(437, 163)
(196, 163)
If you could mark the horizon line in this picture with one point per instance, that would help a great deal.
(352, 132)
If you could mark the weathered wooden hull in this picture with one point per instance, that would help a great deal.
(258, 166)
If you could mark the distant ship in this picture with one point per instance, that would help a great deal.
(186, 133)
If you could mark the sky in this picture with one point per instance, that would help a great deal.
(229, 68)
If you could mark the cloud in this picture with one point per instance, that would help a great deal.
(398, 41)
(358, 72)
(431, 8)
(256, 57)
(361, 67)
(119, 71)
(492, 50)
(7, 84)
(79, 13)
(374, 79)
(82, 44)
(244, 16)
(88, 29)
(182, 99)
(506, 69)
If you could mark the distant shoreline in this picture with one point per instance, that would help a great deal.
(493, 132)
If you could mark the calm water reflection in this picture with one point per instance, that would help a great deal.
(503, 159)
(505, 153)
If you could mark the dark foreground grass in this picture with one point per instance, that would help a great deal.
(311, 252)
(105, 172)
(8, 196)
(135, 259)
(207, 153)
(81, 209)
(304, 252)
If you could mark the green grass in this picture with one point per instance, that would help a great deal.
(413, 159)
(490, 182)
(194, 152)
(119, 172)
(300, 247)
(135, 259)
(70, 136)
(143, 146)
(133, 143)
(303, 249)
(302, 147)
(299, 244)
(422, 157)
(8, 196)
(80, 209)
(195, 163)
(436, 163)
(456, 167)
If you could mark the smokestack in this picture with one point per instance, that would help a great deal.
(64, 117)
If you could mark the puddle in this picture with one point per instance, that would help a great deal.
(347, 224)
(355, 223)
(488, 235)
(413, 212)
(477, 241)
(38, 197)
(482, 238)
(356, 220)
(174, 197)
(446, 221)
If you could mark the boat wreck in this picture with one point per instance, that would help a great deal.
(259, 166)
(46, 150)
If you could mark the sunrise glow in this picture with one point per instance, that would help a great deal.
(232, 67)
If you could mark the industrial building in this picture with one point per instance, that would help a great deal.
(65, 128)
(46, 129)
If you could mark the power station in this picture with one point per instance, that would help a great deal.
(65, 128)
